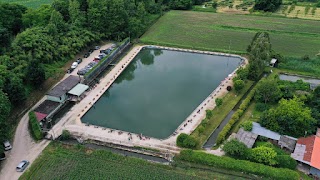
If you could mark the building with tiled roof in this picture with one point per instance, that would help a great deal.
(307, 151)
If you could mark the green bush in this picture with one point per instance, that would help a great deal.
(264, 155)
(181, 139)
(286, 161)
(247, 125)
(186, 141)
(219, 102)
(209, 114)
(238, 85)
(235, 148)
(261, 107)
(35, 128)
(238, 165)
(65, 135)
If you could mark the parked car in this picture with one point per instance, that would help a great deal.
(82, 72)
(2, 156)
(90, 51)
(113, 45)
(22, 166)
(79, 60)
(7, 145)
(97, 47)
(70, 70)
(74, 65)
(86, 55)
(97, 58)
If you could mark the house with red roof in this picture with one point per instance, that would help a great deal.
(307, 151)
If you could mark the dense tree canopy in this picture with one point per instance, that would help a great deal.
(260, 52)
(267, 5)
(290, 117)
(267, 91)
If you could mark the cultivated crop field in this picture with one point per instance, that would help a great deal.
(71, 162)
(29, 3)
(216, 31)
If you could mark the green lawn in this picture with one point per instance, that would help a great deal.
(29, 3)
(71, 162)
(216, 31)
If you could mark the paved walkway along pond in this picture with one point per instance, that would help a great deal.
(158, 90)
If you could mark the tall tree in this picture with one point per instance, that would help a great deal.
(267, 91)
(290, 117)
(5, 107)
(76, 16)
(35, 73)
(13, 86)
(259, 52)
(267, 5)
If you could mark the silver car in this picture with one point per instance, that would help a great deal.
(7, 145)
(22, 166)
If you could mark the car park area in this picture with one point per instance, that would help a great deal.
(90, 59)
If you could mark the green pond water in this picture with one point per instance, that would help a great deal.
(158, 90)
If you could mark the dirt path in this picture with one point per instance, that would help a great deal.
(24, 148)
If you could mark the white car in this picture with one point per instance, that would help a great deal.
(22, 166)
(7, 145)
(74, 65)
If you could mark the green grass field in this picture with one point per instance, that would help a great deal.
(29, 3)
(216, 31)
(70, 162)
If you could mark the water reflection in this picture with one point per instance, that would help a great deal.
(128, 73)
(147, 57)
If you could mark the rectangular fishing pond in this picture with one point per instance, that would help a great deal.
(158, 90)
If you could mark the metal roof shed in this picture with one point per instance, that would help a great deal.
(261, 131)
(78, 89)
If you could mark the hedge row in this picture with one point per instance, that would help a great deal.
(35, 128)
(237, 165)
(235, 117)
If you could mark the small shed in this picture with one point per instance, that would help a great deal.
(46, 109)
(274, 62)
(287, 142)
(261, 131)
(78, 90)
(248, 138)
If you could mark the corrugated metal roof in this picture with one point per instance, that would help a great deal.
(64, 86)
(257, 129)
(248, 138)
(78, 89)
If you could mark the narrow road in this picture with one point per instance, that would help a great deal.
(24, 148)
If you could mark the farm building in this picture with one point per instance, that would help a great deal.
(307, 152)
(274, 62)
(46, 109)
(59, 92)
(57, 97)
(249, 138)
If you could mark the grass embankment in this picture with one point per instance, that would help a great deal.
(29, 3)
(218, 31)
(237, 165)
(219, 113)
(73, 162)
(308, 67)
